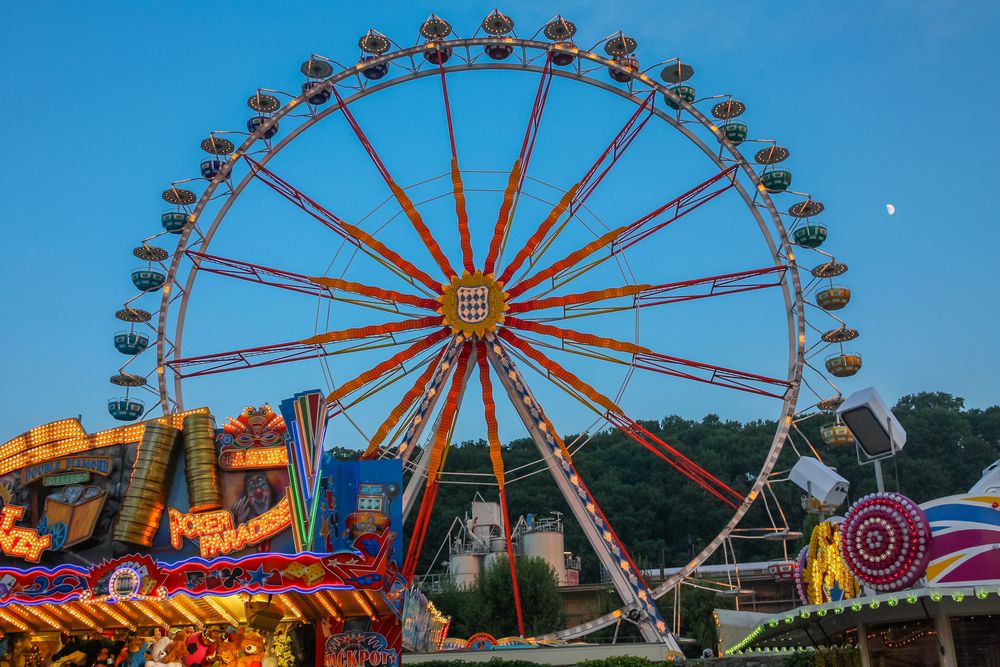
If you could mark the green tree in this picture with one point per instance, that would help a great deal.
(540, 599)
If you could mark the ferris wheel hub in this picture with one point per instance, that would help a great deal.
(473, 304)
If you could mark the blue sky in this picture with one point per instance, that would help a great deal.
(878, 102)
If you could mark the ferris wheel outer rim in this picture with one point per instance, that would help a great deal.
(794, 299)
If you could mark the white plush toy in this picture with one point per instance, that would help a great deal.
(160, 651)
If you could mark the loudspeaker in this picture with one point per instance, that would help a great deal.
(875, 428)
(820, 481)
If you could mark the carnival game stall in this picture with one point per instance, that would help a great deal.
(907, 583)
(173, 542)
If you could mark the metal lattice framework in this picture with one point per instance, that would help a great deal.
(497, 308)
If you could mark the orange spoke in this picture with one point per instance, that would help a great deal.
(517, 173)
(492, 428)
(579, 193)
(404, 200)
(577, 336)
(387, 365)
(376, 292)
(576, 299)
(456, 180)
(373, 330)
(540, 233)
(448, 413)
(558, 371)
(397, 412)
(360, 239)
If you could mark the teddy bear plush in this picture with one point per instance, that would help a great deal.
(252, 649)
(226, 653)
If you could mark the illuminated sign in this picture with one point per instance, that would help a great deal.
(217, 534)
(254, 458)
(20, 542)
(97, 464)
(358, 649)
(66, 478)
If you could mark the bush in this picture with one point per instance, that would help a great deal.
(619, 661)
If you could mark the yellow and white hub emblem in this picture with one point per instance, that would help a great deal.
(473, 304)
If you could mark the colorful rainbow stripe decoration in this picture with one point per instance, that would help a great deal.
(966, 544)
(305, 418)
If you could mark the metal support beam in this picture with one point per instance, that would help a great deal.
(626, 580)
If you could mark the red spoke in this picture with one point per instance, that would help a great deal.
(627, 235)
(655, 295)
(319, 286)
(614, 415)
(448, 413)
(645, 359)
(496, 457)
(710, 374)
(354, 235)
(683, 464)
(397, 412)
(399, 193)
(516, 179)
(269, 355)
(465, 237)
(579, 193)
(387, 365)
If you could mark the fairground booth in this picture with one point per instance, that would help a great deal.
(905, 583)
(177, 543)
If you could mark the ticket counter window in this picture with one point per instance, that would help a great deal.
(909, 644)
(977, 640)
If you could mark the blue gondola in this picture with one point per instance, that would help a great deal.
(320, 96)
(173, 221)
(126, 409)
(131, 342)
(148, 279)
(256, 121)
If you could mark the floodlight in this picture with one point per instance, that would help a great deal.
(875, 428)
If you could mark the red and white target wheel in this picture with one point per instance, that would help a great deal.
(886, 541)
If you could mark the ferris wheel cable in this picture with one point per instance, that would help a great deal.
(322, 287)
(395, 360)
(408, 399)
(615, 416)
(627, 235)
(577, 195)
(515, 180)
(404, 200)
(361, 239)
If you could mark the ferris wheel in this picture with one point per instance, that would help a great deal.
(511, 301)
